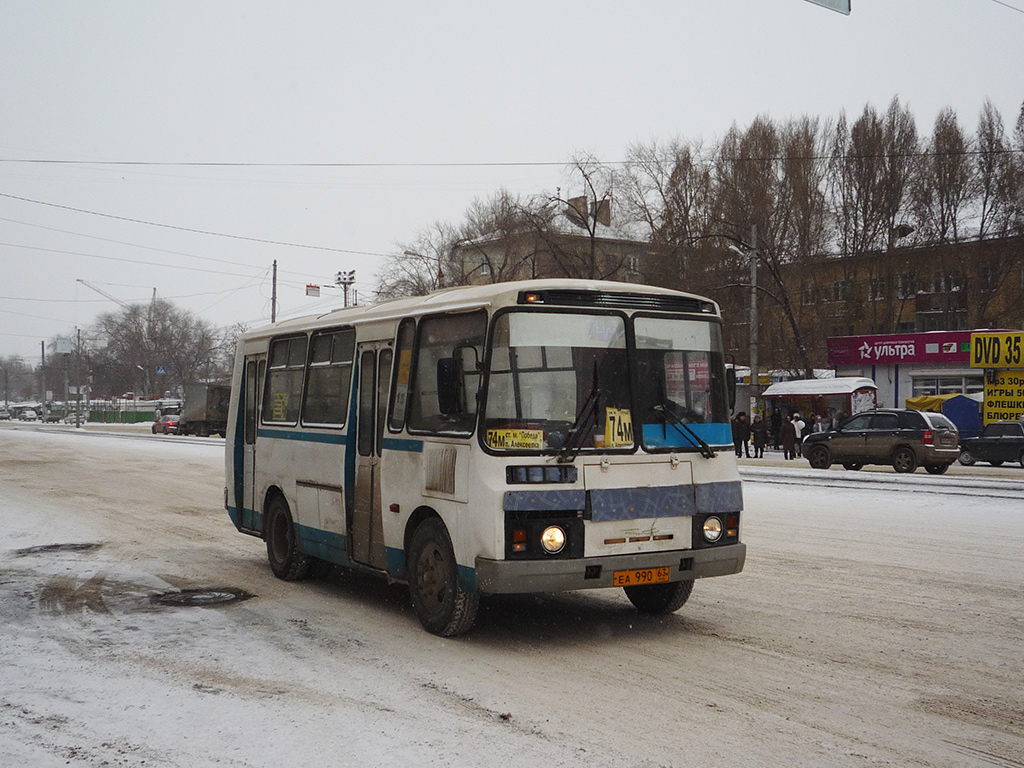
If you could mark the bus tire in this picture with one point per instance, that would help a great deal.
(287, 560)
(441, 605)
(660, 598)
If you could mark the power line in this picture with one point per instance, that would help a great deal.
(485, 164)
(189, 229)
(1007, 5)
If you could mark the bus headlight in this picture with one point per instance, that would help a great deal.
(712, 530)
(553, 539)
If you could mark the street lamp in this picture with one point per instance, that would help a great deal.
(345, 279)
(755, 376)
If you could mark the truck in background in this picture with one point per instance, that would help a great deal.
(206, 410)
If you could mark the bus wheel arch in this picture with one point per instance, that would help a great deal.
(443, 607)
(287, 560)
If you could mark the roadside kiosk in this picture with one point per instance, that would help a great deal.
(832, 399)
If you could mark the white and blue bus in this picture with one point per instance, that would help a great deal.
(521, 437)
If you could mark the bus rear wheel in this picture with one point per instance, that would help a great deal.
(287, 561)
(660, 598)
(441, 605)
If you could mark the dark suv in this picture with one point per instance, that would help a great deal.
(904, 438)
(998, 442)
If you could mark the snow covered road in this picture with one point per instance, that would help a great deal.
(869, 628)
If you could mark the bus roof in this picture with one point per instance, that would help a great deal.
(477, 297)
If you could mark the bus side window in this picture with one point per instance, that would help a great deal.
(284, 380)
(399, 401)
(329, 377)
(250, 403)
(446, 337)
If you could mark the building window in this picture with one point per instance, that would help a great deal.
(908, 326)
(924, 387)
(485, 269)
(906, 286)
(876, 289)
(951, 385)
(947, 385)
(840, 290)
(808, 294)
(988, 277)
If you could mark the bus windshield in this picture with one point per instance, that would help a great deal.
(565, 381)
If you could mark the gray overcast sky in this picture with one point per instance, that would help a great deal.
(395, 83)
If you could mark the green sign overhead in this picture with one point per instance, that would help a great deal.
(843, 6)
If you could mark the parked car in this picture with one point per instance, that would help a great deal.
(905, 438)
(167, 425)
(998, 442)
(5, 415)
(28, 415)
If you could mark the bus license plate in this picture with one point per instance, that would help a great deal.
(639, 576)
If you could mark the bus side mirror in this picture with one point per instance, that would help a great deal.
(730, 386)
(450, 394)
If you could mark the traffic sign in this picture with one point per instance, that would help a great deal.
(843, 6)
(161, 370)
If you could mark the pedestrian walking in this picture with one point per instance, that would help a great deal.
(788, 439)
(799, 425)
(741, 434)
(759, 435)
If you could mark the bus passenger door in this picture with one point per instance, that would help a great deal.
(255, 368)
(367, 533)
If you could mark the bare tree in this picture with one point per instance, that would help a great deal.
(497, 241)
(666, 189)
(588, 212)
(945, 180)
(144, 337)
(420, 266)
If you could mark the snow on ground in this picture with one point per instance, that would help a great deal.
(871, 627)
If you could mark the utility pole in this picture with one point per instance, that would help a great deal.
(78, 379)
(273, 296)
(345, 279)
(755, 374)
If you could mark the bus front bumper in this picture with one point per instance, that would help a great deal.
(523, 576)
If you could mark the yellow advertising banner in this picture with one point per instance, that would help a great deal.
(997, 350)
(1004, 397)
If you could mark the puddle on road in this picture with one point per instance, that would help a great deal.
(201, 598)
(45, 549)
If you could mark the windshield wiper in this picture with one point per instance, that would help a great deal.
(586, 420)
(669, 415)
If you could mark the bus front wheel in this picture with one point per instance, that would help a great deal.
(287, 560)
(441, 605)
(660, 598)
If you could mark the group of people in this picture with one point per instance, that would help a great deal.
(743, 432)
(787, 432)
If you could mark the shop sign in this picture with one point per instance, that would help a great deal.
(1004, 396)
(997, 350)
(899, 348)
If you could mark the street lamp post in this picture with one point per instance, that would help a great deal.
(345, 279)
(755, 374)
